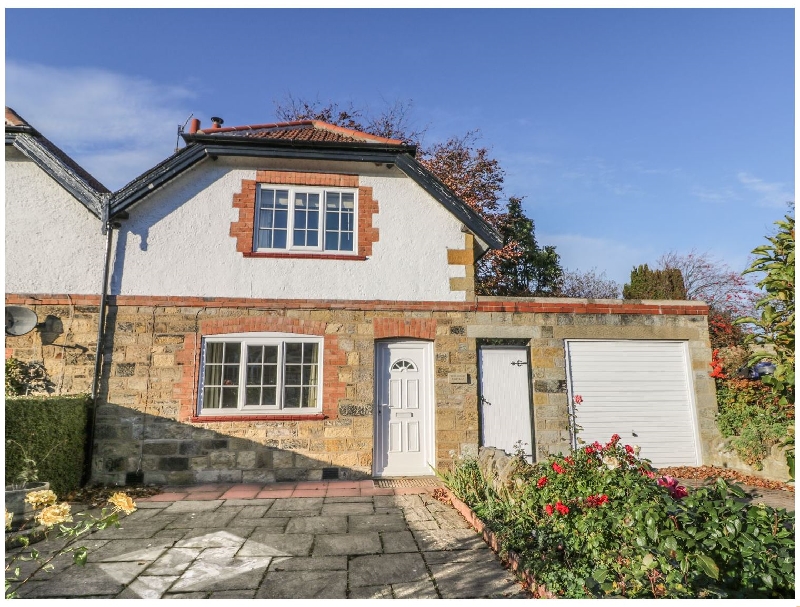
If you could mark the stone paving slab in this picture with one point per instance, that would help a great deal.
(362, 547)
(311, 585)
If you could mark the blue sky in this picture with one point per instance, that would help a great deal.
(629, 132)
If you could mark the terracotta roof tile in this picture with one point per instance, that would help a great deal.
(300, 130)
(14, 119)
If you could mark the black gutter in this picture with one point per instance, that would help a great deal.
(108, 229)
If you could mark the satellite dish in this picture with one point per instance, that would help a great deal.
(19, 320)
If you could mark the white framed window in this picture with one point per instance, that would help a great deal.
(305, 219)
(247, 373)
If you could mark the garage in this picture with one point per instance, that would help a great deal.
(639, 389)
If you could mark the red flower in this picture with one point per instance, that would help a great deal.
(589, 450)
(569, 460)
(593, 501)
(549, 509)
(578, 399)
(647, 473)
(541, 482)
(614, 439)
(562, 509)
(675, 490)
(558, 468)
(628, 449)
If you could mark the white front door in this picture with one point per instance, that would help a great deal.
(404, 415)
(505, 399)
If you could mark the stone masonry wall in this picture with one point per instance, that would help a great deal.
(144, 419)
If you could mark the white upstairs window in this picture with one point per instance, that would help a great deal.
(305, 219)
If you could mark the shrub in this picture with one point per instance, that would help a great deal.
(51, 431)
(654, 284)
(26, 378)
(752, 418)
(601, 523)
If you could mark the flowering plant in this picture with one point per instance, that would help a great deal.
(52, 515)
(603, 522)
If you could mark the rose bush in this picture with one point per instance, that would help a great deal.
(602, 522)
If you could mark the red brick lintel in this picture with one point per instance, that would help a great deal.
(537, 306)
(199, 419)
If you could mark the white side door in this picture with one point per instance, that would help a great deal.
(404, 412)
(505, 405)
(639, 389)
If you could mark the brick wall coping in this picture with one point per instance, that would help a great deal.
(539, 305)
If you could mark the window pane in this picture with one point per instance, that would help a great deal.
(293, 375)
(254, 375)
(213, 375)
(267, 199)
(331, 241)
(230, 398)
(291, 398)
(313, 239)
(313, 220)
(281, 219)
(294, 353)
(268, 396)
(270, 375)
(332, 220)
(300, 219)
(232, 352)
(211, 398)
(309, 375)
(348, 201)
(309, 397)
(282, 199)
(254, 354)
(231, 375)
(279, 241)
(214, 352)
(264, 239)
(346, 242)
(253, 396)
(310, 353)
(270, 354)
(265, 218)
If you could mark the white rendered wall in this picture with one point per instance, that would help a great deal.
(53, 242)
(177, 242)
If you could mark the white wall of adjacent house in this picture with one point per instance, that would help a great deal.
(53, 243)
(177, 242)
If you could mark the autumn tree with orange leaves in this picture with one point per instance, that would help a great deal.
(521, 267)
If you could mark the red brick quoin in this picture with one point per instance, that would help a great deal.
(245, 201)
(185, 390)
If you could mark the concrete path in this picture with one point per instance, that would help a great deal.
(314, 542)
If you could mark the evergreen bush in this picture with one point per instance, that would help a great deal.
(52, 431)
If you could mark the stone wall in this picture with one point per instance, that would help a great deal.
(145, 415)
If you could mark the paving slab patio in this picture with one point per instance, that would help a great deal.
(306, 540)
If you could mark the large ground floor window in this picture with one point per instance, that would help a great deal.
(260, 373)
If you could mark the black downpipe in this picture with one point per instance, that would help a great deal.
(108, 229)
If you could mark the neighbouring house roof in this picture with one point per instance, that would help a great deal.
(55, 162)
(298, 130)
(307, 139)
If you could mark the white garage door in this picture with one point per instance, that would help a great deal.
(640, 390)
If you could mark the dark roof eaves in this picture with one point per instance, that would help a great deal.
(158, 176)
(463, 212)
(51, 160)
(237, 140)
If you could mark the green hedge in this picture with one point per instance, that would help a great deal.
(48, 425)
